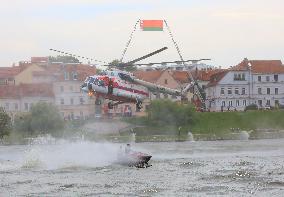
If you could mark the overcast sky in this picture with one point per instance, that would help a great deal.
(223, 30)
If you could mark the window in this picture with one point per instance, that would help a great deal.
(62, 101)
(268, 90)
(276, 103)
(243, 76)
(243, 91)
(239, 76)
(61, 88)
(66, 75)
(81, 101)
(268, 103)
(244, 102)
(236, 91)
(26, 106)
(72, 115)
(229, 91)
(259, 103)
(7, 106)
(259, 78)
(259, 90)
(267, 78)
(16, 106)
(75, 75)
(166, 81)
(237, 103)
(276, 90)
(230, 103)
(275, 77)
(222, 91)
(223, 103)
(71, 101)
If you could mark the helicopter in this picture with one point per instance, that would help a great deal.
(119, 86)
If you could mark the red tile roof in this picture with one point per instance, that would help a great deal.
(26, 90)
(205, 75)
(9, 91)
(58, 70)
(150, 76)
(181, 76)
(215, 78)
(260, 66)
(267, 66)
(6, 72)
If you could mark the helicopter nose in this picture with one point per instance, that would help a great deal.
(90, 88)
(84, 87)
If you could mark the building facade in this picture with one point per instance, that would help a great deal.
(259, 82)
(24, 85)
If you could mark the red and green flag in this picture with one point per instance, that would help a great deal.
(151, 25)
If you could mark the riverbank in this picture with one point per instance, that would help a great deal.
(215, 123)
(206, 126)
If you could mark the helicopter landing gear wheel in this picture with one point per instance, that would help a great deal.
(139, 105)
(98, 101)
(110, 105)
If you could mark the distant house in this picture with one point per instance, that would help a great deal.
(259, 82)
(20, 98)
(168, 78)
(63, 79)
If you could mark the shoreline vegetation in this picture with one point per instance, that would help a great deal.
(165, 121)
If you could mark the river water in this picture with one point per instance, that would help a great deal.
(82, 168)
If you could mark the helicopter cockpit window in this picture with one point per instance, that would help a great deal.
(101, 83)
(96, 81)
(112, 74)
(87, 79)
(91, 80)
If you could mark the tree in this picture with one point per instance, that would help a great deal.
(64, 59)
(166, 112)
(5, 123)
(43, 118)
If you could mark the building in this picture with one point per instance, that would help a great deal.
(63, 79)
(20, 98)
(259, 82)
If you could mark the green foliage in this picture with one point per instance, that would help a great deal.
(5, 123)
(217, 122)
(64, 59)
(164, 117)
(166, 112)
(43, 118)
(251, 107)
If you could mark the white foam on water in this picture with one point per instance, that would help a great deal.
(50, 154)
(71, 154)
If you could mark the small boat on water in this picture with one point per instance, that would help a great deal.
(133, 158)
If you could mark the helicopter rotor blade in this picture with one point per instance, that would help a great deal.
(146, 56)
(78, 56)
(177, 62)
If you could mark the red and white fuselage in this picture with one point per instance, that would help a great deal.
(114, 87)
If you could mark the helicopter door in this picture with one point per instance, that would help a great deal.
(110, 86)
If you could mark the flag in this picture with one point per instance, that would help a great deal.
(151, 25)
